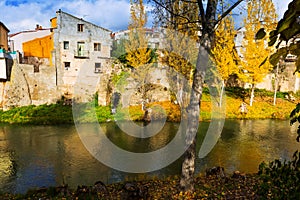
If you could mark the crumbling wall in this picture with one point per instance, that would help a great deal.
(29, 88)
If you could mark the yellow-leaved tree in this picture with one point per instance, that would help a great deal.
(180, 49)
(138, 54)
(255, 66)
(136, 48)
(224, 54)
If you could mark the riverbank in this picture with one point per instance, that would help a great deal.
(215, 184)
(206, 187)
(59, 113)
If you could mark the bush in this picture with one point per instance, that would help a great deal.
(280, 180)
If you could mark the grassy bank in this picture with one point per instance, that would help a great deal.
(262, 108)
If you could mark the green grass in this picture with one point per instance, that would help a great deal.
(262, 108)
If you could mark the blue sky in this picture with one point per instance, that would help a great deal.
(20, 15)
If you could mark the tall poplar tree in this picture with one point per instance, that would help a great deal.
(255, 66)
(136, 47)
(180, 49)
(138, 54)
(224, 53)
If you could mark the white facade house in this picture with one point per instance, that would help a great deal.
(16, 40)
(153, 35)
(81, 54)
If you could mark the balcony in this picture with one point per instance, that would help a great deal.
(81, 54)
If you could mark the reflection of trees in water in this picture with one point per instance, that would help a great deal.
(244, 144)
(8, 166)
(140, 145)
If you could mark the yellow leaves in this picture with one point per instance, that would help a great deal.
(138, 53)
(261, 14)
(224, 55)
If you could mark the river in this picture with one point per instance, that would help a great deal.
(37, 156)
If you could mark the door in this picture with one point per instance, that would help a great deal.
(80, 48)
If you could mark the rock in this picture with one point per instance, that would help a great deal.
(99, 187)
(133, 191)
(238, 175)
(215, 171)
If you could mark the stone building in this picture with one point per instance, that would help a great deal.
(70, 59)
(81, 54)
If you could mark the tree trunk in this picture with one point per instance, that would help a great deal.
(188, 165)
(221, 94)
(276, 83)
(252, 95)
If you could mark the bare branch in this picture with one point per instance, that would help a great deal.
(202, 13)
(170, 11)
(228, 11)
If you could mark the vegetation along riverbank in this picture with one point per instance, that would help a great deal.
(59, 113)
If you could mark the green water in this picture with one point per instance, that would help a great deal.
(36, 156)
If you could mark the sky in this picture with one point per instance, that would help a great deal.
(21, 15)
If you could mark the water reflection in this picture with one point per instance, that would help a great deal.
(36, 156)
(244, 144)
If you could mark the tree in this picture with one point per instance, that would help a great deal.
(138, 55)
(260, 13)
(287, 30)
(136, 47)
(224, 53)
(180, 51)
(206, 22)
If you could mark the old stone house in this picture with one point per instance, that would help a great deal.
(81, 54)
(71, 53)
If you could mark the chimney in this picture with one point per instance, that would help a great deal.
(38, 27)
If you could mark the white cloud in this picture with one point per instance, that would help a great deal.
(19, 15)
(25, 14)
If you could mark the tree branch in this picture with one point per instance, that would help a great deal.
(228, 11)
(202, 13)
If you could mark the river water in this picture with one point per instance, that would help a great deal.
(37, 156)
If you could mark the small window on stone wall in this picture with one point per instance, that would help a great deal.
(97, 47)
(80, 27)
(66, 44)
(67, 65)
(98, 68)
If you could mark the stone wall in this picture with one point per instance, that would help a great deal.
(29, 88)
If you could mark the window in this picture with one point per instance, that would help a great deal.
(67, 65)
(80, 27)
(66, 44)
(98, 68)
(97, 47)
